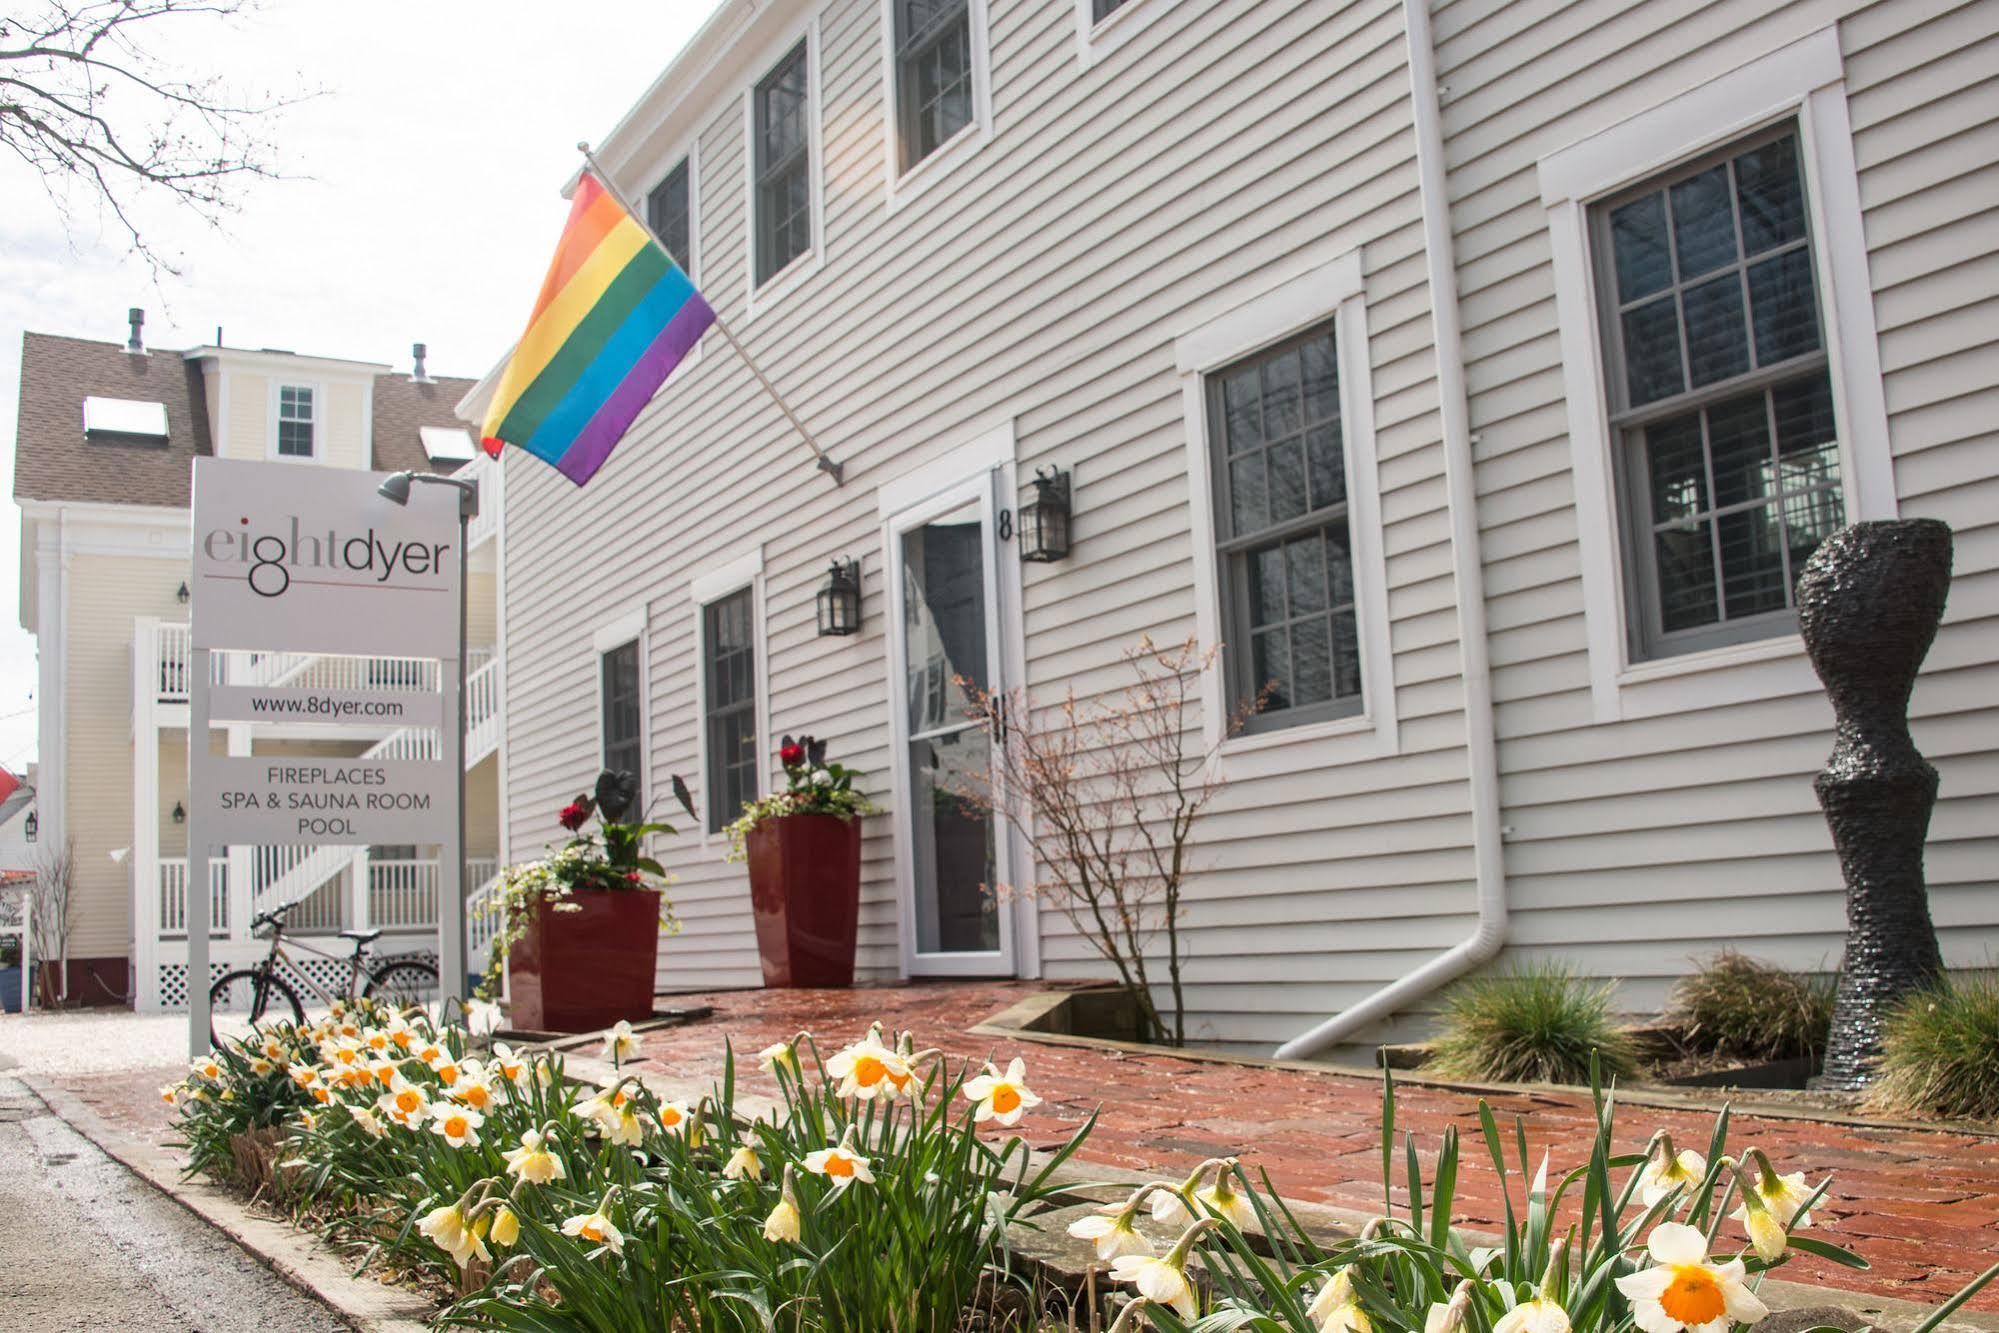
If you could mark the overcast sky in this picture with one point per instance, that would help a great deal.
(422, 204)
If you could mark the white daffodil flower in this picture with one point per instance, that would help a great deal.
(1666, 1170)
(1001, 1098)
(619, 1043)
(868, 1069)
(596, 1228)
(1111, 1231)
(532, 1161)
(456, 1125)
(1539, 1315)
(1682, 1290)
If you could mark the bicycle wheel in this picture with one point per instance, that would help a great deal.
(252, 997)
(403, 982)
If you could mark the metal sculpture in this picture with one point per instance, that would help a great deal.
(1869, 601)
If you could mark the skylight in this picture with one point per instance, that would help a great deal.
(446, 444)
(124, 416)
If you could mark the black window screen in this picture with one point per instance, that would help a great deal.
(783, 165)
(623, 720)
(730, 669)
(669, 210)
(933, 74)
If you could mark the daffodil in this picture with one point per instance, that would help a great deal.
(673, 1117)
(506, 1227)
(1444, 1317)
(473, 1089)
(1682, 1290)
(447, 1070)
(509, 1066)
(1112, 1229)
(532, 1161)
(370, 1122)
(1336, 1309)
(597, 1228)
(743, 1163)
(208, 1069)
(841, 1164)
(1001, 1098)
(456, 1125)
(783, 1223)
(404, 1102)
(445, 1228)
(383, 1072)
(867, 1069)
(1665, 1171)
(1772, 1206)
(1221, 1199)
(1539, 1315)
(1164, 1280)
(780, 1055)
(260, 1066)
(619, 1043)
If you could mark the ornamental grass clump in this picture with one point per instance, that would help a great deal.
(1742, 1006)
(1541, 1025)
(1940, 1053)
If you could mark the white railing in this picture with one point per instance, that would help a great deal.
(481, 925)
(402, 893)
(482, 712)
(173, 652)
(173, 896)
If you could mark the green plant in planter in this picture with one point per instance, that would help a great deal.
(1539, 1025)
(610, 857)
(1743, 1006)
(1940, 1053)
(812, 786)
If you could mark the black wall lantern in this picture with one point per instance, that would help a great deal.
(33, 826)
(840, 600)
(182, 595)
(180, 813)
(1044, 519)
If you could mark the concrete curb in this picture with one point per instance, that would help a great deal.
(298, 1257)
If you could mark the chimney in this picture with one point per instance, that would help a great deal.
(136, 345)
(419, 375)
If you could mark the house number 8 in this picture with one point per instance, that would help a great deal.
(1006, 525)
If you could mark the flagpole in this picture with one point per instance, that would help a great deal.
(826, 464)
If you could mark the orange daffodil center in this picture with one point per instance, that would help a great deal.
(868, 1069)
(1683, 1290)
(841, 1164)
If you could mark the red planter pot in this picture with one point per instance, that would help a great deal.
(578, 971)
(805, 889)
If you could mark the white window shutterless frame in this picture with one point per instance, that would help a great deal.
(1802, 82)
(954, 599)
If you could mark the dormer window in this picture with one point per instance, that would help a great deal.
(295, 421)
(125, 419)
(446, 444)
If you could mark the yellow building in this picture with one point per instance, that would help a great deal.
(103, 463)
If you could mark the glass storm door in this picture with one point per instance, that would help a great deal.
(947, 636)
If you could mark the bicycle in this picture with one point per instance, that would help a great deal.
(401, 982)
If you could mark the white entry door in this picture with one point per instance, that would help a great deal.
(954, 615)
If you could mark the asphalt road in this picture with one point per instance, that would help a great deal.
(84, 1244)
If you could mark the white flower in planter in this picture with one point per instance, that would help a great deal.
(1682, 1290)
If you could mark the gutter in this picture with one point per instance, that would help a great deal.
(1467, 577)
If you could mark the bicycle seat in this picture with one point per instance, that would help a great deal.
(361, 936)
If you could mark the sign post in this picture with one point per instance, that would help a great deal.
(291, 559)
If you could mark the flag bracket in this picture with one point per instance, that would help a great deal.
(824, 461)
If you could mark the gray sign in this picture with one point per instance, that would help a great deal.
(296, 557)
(321, 799)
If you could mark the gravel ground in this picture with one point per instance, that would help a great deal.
(90, 1246)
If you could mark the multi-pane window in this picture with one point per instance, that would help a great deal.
(623, 715)
(1283, 549)
(669, 211)
(730, 664)
(933, 74)
(1720, 395)
(294, 421)
(783, 165)
(1103, 9)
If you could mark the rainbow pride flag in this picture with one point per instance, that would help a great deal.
(614, 317)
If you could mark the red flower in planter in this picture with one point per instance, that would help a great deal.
(791, 754)
(574, 814)
(634, 877)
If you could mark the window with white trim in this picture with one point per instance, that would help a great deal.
(729, 700)
(935, 99)
(622, 720)
(670, 213)
(782, 167)
(295, 421)
(1725, 448)
(1282, 546)
(1103, 9)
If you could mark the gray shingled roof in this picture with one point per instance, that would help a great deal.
(54, 461)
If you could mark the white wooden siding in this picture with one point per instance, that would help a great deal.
(1119, 203)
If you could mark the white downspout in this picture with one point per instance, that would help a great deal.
(1467, 576)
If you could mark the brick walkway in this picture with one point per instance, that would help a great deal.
(1922, 1206)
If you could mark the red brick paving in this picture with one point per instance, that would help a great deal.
(1922, 1206)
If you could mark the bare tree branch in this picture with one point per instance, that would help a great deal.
(89, 105)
